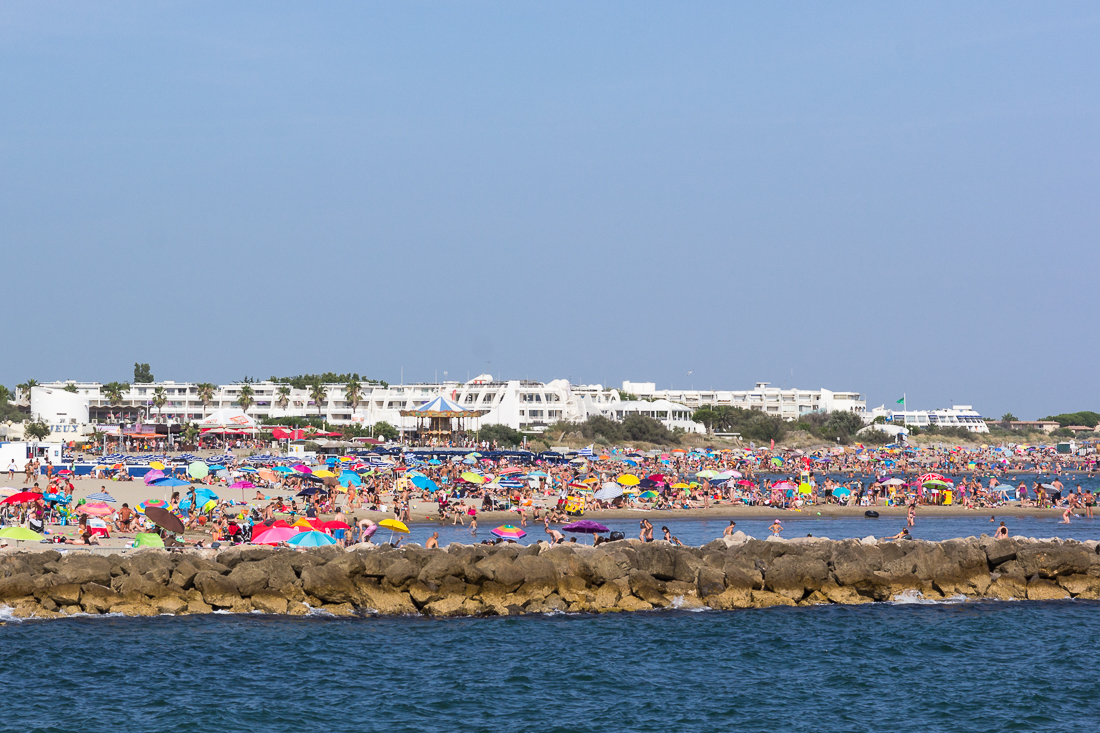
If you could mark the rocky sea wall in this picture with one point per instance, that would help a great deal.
(508, 579)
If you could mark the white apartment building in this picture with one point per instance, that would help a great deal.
(788, 404)
(520, 404)
(958, 416)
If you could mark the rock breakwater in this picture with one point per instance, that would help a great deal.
(471, 580)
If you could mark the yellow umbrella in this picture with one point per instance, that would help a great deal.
(157, 465)
(322, 473)
(473, 478)
(302, 523)
(629, 479)
(395, 525)
(681, 485)
(591, 480)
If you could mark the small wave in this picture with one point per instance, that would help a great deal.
(678, 605)
(916, 597)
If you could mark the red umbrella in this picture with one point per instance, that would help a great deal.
(658, 478)
(334, 525)
(21, 497)
(930, 477)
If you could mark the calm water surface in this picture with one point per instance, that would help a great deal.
(950, 667)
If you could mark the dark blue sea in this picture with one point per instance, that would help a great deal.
(1009, 666)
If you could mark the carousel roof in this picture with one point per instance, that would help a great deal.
(440, 407)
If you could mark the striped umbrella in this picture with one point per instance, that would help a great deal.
(509, 532)
(313, 538)
(101, 496)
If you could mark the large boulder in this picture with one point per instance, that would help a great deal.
(608, 565)
(646, 587)
(441, 565)
(81, 568)
(1051, 560)
(96, 598)
(709, 581)
(568, 563)
(1041, 589)
(657, 559)
(1081, 586)
(329, 584)
(500, 568)
(16, 586)
(217, 590)
(1000, 551)
(249, 577)
(269, 602)
(793, 575)
(382, 601)
(400, 572)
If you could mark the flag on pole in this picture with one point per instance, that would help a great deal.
(587, 451)
(901, 401)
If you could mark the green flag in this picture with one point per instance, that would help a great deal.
(901, 401)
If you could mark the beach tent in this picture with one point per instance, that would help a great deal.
(228, 418)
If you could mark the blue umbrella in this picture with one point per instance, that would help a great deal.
(423, 482)
(312, 538)
(216, 467)
(283, 469)
(101, 496)
(172, 482)
(350, 477)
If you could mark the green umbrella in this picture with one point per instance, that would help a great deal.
(20, 533)
(148, 539)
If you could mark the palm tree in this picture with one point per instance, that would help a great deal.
(353, 393)
(318, 393)
(113, 391)
(25, 388)
(206, 395)
(245, 399)
(284, 395)
(159, 400)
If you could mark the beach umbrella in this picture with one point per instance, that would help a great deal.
(151, 502)
(95, 509)
(170, 482)
(334, 524)
(147, 539)
(323, 473)
(156, 465)
(473, 478)
(509, 532)
(247, 469)
(726, 475)
(198, 469)
(267, 475)
(585, 526)
(607, 493)
(100, 496)
(423, 482)
(394, 526)
(275, 535)
(312, 538)
(152, 476)
(283, 469)
(20, 534)
(164, 519)
(893, 482)
(649, 495)
(302, 468)
(350, 478)
(21, 497)
(628, 479)
(926, 477)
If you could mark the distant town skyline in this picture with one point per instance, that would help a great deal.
(880, 198)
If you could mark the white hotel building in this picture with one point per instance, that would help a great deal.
(519, 404)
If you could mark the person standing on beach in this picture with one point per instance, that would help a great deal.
(12, 468)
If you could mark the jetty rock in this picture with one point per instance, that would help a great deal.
(509, 579)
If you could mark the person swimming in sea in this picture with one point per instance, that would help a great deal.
(776, 528)
(902, 535)
(1002, 532)
(728, 531)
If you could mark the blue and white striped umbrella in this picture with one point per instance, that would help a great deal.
(101, 496)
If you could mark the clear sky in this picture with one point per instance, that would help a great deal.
(884, 197)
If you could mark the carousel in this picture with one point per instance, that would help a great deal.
(435, 419)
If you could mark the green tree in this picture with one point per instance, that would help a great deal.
(283, 392)
(37, 429)
(1008, 417)
(25, 387)
(71, 388)
(142, 374)
(5, 394)
(504, 436)
(319, 394)
(191, 432)
(1088, 418)
(764, 427)
(353, 392)
(247, 397)
(114, 391)
(160, 399)
(385, 431)
(206, 394)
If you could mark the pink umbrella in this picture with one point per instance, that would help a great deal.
(96, 509)
(275, 535)
(153, 476)
(302, 468)
(242, 485)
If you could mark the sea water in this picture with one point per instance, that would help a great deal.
(989, 666)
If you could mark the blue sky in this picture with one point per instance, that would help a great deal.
(880, 197)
